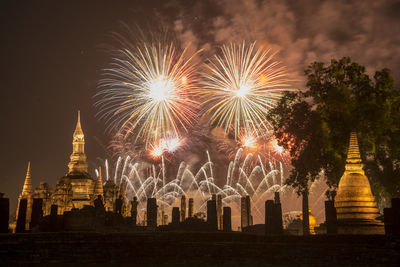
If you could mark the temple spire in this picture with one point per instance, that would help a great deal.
(78, 158)
(27, 189)
(353, 162)
(353, 155)
(78, 129)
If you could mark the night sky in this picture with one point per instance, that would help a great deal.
(52, 57)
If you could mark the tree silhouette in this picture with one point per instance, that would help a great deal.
(314, 125)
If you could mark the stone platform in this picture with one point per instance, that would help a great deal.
(195, 249)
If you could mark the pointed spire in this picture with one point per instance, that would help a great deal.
(78, 128)
(353, 162)
(353, 155)
(27, 189)
(78, 158)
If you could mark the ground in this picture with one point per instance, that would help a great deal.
(195, 249)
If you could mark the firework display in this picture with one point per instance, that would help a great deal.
(259, 182)
(151, 98)
(239, 87)
(150, 88)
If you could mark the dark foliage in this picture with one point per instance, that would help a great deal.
(315, 125)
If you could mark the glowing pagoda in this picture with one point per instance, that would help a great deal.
(76, 189)
(355, 205)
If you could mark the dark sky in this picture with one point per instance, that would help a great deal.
(51, 60)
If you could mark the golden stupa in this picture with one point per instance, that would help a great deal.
(312, 222)
(355, 205)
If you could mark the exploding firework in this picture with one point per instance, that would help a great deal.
(240, 85)
(264, 148)
(164, 146)
(150, 89)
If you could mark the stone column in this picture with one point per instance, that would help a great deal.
(269, 217)
(212, 214)
(306, 215)
(227, 220)
(388, 220)
(396, 215)
(330, 217)
(175, 215)
(183, 208)
(37, 213)
(190, 213)
(152, 212)
(4, 213)
(53, 217)
(243, 213)
(219, 211)
(21, 221)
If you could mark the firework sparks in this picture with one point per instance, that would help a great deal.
(150, 88)
(248, 141)
(277, 147)
(167, 145)
(157, 151)
(240, 86)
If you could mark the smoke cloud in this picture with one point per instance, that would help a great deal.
(302, 31)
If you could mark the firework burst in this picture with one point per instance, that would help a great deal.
(240, 85)
(165, 146)
(150, 88)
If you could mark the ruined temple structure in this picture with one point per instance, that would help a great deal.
(355, 205)
(74, 190)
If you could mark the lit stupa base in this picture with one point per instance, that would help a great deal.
(360, 227)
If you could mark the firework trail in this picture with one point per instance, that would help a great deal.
(240, 85)
(150, 88)
(259, 181)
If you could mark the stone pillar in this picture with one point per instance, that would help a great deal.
(396, 215)
(249, 215)
(277, 198)
(278, 214)
(245, 212)
(175, 215)
(269, 217)
(227, 220)
(190, 213)
(219, 211)
(212, 214)
(165, 219)
(162, 217)
(183, 208)
(4, 213)
(21, 221)
(273, 216)
(306, 215)
(388, 220)
(152, 212)
(330, 217)
(37, 213)
(53, 217)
